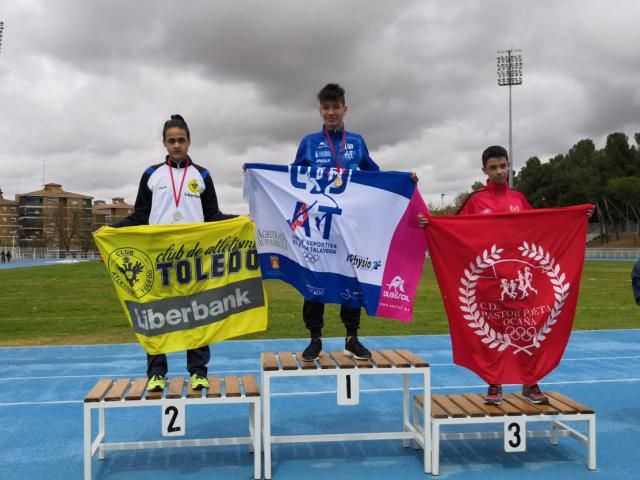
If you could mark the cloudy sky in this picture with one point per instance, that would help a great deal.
(86, 85)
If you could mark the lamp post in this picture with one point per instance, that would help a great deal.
(509, 74)
(442, 201)
(1, 30)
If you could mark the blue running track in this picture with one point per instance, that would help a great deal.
(41, 393)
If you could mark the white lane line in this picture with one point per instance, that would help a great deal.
(120, 375)
(225, 372)
(454, 387)
(577, 359)
(365, 390)
(269, 340)
(52, 402)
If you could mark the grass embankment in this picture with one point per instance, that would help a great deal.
(76, 304)
(624, 241)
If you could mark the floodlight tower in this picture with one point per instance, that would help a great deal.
(1, 30)
(509, 74)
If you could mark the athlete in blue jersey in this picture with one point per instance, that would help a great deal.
(333, 147)
(320, 149)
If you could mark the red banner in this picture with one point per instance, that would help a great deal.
(510, 284)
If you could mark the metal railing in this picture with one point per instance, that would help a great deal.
(51, 254)
(613, 253)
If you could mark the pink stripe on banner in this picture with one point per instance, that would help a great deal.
(405, 260)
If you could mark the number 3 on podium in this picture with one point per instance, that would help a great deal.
(515, 435)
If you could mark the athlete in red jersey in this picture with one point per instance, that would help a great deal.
(496, 196)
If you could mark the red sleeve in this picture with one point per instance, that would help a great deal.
(468, 207)
(525, 203)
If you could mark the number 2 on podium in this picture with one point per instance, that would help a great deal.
(173, 419)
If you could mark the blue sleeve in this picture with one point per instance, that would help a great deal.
(301, 155)
(209, 200)
(142, 208)
(367, 162)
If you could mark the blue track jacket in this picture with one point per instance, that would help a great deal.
(314, 151)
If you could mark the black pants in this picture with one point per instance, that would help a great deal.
(313, 315)
(197, 360)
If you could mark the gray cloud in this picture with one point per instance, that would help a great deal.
(89, 84)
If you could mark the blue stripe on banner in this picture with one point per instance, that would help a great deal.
(320, 286)
(399, 183)
(396, 182)
(266, 166)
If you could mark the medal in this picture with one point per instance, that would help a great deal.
(338, 182)
(177, 215)
(336, 157)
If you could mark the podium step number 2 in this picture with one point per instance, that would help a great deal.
(173, 419)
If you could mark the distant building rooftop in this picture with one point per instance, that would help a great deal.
(54, 190)
(6, 201)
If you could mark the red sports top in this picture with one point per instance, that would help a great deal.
(494, 198)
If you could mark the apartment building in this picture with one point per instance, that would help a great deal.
(110, 213)
(8, 221)
(53, 217)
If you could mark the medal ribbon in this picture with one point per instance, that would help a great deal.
(173, 186)
(333, 150)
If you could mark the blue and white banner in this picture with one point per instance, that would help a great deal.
(348, 237)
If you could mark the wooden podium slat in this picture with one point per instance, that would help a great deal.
(342, 360)
(175, 387)
(231, 386)
(98, 391)
(137, 389)
(287, 361)
(250, 384)
(214, 387)
(305, 365)
(415, 360)
(269, 362)
(117, 391)
(395, 358)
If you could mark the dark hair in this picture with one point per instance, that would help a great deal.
(331, 91)
(176, 122)
(494, 151)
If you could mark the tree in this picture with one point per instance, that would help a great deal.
(620, 156)
(476, 186)
(625, 190)
(534, 181)
(68, 224)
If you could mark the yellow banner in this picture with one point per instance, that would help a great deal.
(185, 286)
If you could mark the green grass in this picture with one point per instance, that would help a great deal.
(77, 304)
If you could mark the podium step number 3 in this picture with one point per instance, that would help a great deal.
(515, 435)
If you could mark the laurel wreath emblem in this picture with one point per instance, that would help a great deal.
(535, 253)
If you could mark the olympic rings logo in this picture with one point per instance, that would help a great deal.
(520, 333)
(311, 257)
